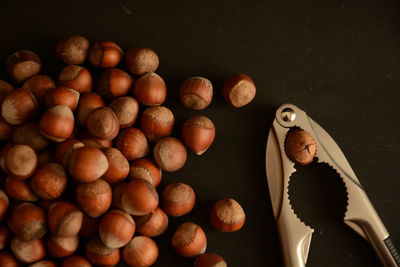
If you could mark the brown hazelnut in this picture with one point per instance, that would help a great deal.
(76, 261)
(4, 204)
(140, 251)
(64, 150)
(239, 90)
(117, 193)
(116, 228)
(132, 143)
(139, 197)
(43, 263)
(103, 123)
(141, 60)
(28, 251)
(23, 64)
(62, 246)
(198, 134)
(8, 260)
(87, 103)
(38, 85)
(5, 89)
(87, 164)
(21, 161)
(99, 254)
(145, 169)
(113, 83)
(105, 54)
(73, 50)
(170, 154)
(126, 109)
(300, 147)
(6, 130)
(57, 123)
(94, 198)
(227, 215)
(196, 93)
(118, 166)
(65, 219)
(62, 96)
(210, 260)
(90, 226)
(19, 190)
(150, 89)
(28, 222)
(157, 122)
(76, 77)
(189, 240)
(49, 181)
(153, 224)
(19, 106)
(178, 199)
(4, 236)
(29, 134)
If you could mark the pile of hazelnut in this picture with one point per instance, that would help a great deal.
(83, 166)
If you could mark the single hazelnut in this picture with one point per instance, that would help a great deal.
(19, 190)
(227, 215)
(153, 224)
(118, 166)
(6, 130)
(62, 246)
(178, 199)
(29, 134)
(65, 219)
(196, 93)
(238, 90)
(198, 134)
(87, 164)
(150, 89)
(23, 64)
(76, 77)
(132, 143)
(21, 161)
(145, 169)
(28, 251)
(157, 122)
(19, 106)
(210, 260)
(62, 96)
(76, 261)
(139, 197)
(189, 240)
(140, 251)
(103, 123)
(113, 83)
(57, 123)
(38, 85)
(94, 198)
(87, 103)
(116, 228)
(170, 154)
(43, 263)
(90, 226)
(28, 222)
(5, 89)
(4, 236)
(99, 254)
(105, 54)
(64, 150)
(300, 147)
(4, 204)
(49, 181)
(116, 195)
(46, 156)
(126, 108)
(141, 60)
(8, 260)
(73, 50)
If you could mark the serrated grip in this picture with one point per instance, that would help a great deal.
(392, 249)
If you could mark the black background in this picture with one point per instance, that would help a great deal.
(337, 60)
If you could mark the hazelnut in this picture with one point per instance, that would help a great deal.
(4, 204)
(87, 103)
(140, 251)
(113, 83)
(94, 198)
(150, 89)
(157, 122)
(64, 150)
(57, 123)
(87, 164)
(139, 197)
(21, 161)
(178, 199)
(116, 228)
(23, 64)
(49, 181)
(19, 190)
(132, 143)
(99, 254)
(76, 77)
(196, 93)
(8, 260)
(118, 166)
(65, 219)
(153, 224)
(76, 261)
(29, 134)
(28, 222)
(189, 240)
(90, 140)
(145, 169)
(73, 50)
(6, 130)
(19, 106)
(38, 85)
(141, 60)
(170, 154)
(4, 235)
(117, 193)
(239, 90)
(227, 215)
(103, 123)
(105, 54)
(210, 260)
(62, 96)
(198, 134)
(300, 147)
(43, 263)
(28, 251)
(5, 89)
(126, 109)
(62, 246)
(89, 226)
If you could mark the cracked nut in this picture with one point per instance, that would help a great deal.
(300, 147)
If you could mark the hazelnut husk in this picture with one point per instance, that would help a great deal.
(132, 143)
(116, 228)
(140, 251)
(210, 260)
(113, 83)
(141, 60)
(157, 122)
(19, 106)
(178, 199)
(28, 222)
(39, 85)
(105, 54)
(227, 215)
(126, 109)
(57, 123)
(28, 251)
(189, 240)
(29, 134)
(23, 64)
(300, 147)
(94, 198)
(145, 169)
(118, 166)
(99, 254)
(65, 219)
(196, 93)
(150, 89)
(238, 90)
(49, 181)
(73, 50)
(198, 134)
(76, 77)
(62, 96)
(87, 102)
(170, 154)
(139, 197)
(103, 123)
(153, 224)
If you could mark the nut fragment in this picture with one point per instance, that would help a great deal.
(300, 147)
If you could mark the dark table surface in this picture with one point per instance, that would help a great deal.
(337, 60)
